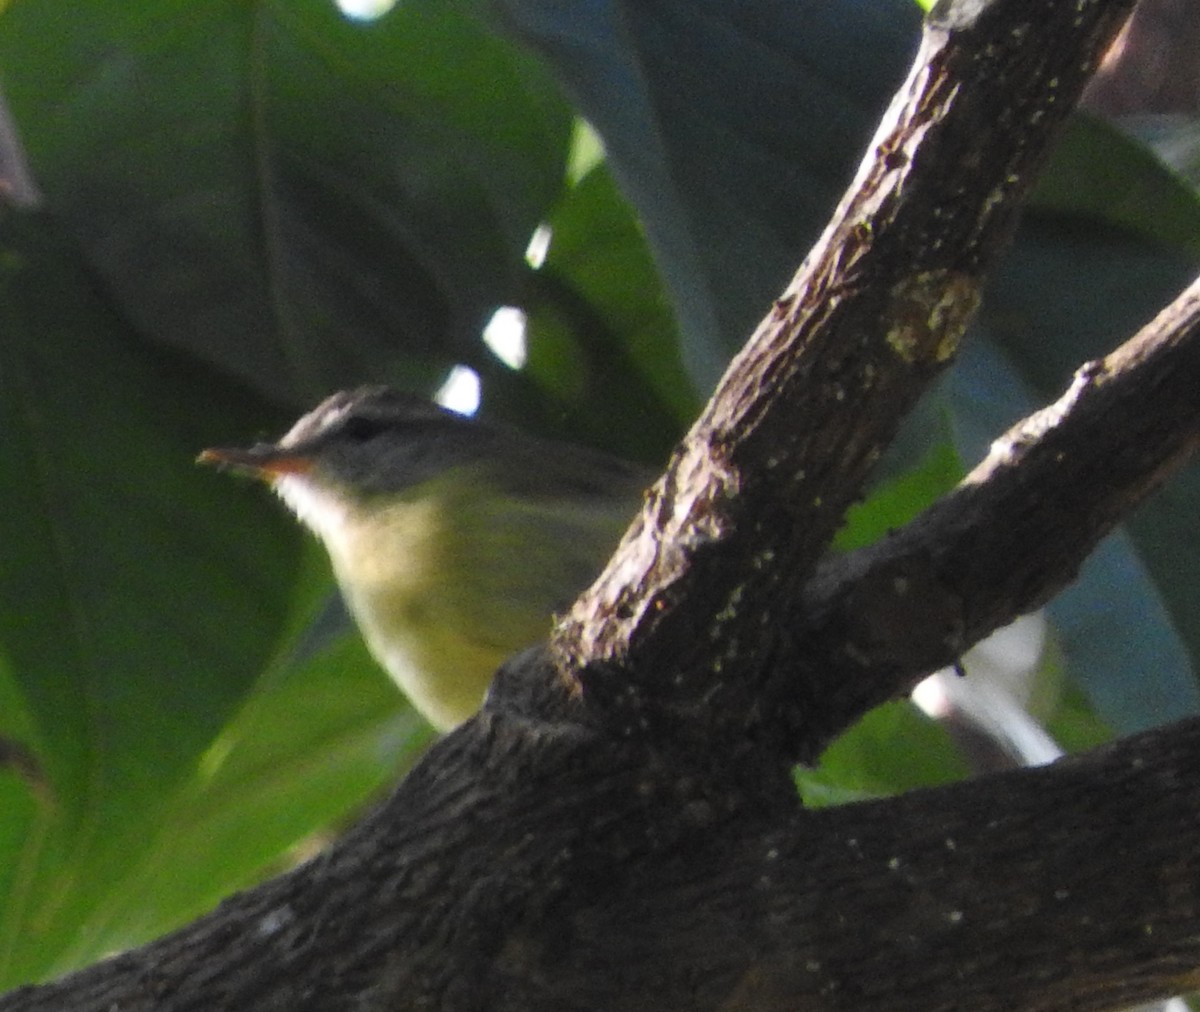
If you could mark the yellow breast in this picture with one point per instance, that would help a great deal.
(449, 579)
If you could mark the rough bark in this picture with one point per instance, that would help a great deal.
(618, 829)
(757, 488)
(1011, 536)
(479, 886)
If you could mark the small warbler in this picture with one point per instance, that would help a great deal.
(453, 541)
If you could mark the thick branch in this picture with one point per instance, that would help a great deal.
(1055, 888)
(507, 890)
(1013, 534)
(754, 494)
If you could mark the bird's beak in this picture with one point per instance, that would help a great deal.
(266, 461)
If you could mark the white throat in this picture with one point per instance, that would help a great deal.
(323, 512)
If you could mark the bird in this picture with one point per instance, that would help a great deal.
(453, 540)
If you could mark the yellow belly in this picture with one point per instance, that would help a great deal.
(446, 586)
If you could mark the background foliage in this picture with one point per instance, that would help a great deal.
(247, 206)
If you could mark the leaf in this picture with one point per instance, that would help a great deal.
(600, 331)
(315, 740)
(900, 499)
(893, 748)
(302, 201)
(1102, 174)
(731, 127)
(134, 615)
(149, 616)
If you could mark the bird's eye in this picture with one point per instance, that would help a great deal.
(360, 429)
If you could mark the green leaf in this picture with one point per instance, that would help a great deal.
(311, 745)
(900, 499)
(135, 612)
(1100, 173)
(893, 748)
(600, 331)
(1064, 708)
(302, 201)
(731, 127)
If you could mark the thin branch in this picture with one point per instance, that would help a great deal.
(1009, 538)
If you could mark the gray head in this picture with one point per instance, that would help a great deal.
(374, 440)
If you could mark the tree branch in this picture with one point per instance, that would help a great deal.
(686, 627)
(1007, 540)
(493, 880)
(965, 890)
